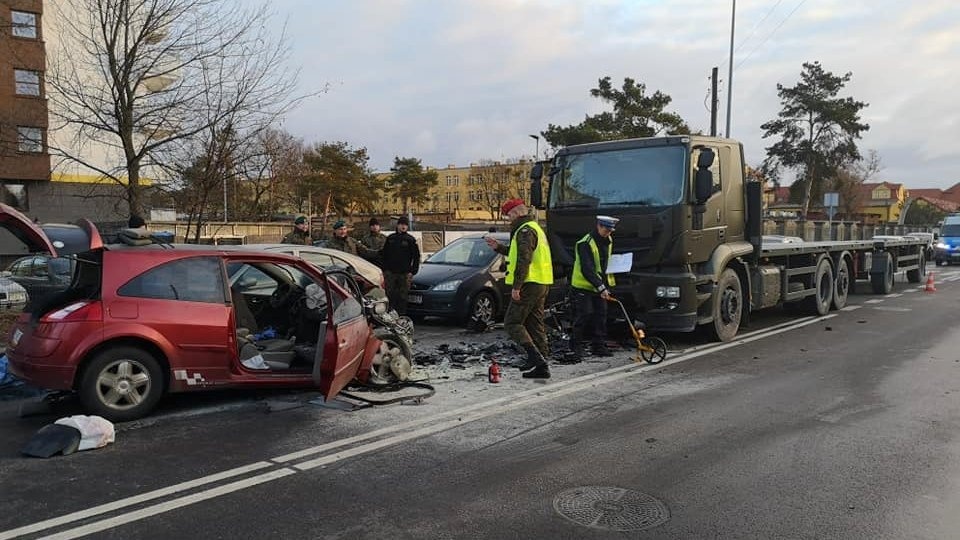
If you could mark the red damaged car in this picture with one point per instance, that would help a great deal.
(138, 321)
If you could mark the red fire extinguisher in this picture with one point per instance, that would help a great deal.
(493, 374)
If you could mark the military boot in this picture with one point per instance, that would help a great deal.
(534, 358)
(542, 371)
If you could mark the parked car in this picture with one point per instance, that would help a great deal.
(367, 274)
(41, 274)
(137, 322)
(13, 297)
(464, 279)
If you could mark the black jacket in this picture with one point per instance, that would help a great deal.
(400, 254)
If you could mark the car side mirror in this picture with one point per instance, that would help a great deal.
(703, 181)
(536, 185)
(247, 282)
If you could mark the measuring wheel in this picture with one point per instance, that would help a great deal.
(653, 350)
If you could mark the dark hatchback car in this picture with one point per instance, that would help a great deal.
(463, 280)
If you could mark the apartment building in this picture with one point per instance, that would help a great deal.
(24, 159)
(474, 192)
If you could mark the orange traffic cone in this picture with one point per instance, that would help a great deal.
(929, 287)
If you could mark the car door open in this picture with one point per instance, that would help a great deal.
(342, 342)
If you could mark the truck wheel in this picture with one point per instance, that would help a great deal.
(819, 303)
(916, 275)
(882, 283)
(842, 284)
(727, 306)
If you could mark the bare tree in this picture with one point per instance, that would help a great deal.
(494, 182)
(848, 181)
(137, 79)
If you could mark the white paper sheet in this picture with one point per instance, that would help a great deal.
(620, 263)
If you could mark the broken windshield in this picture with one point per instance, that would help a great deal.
(649, 176)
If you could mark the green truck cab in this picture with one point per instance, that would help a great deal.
(693, 227)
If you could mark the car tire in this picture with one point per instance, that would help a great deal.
(483, 307)
(121, 383)
(727, 306)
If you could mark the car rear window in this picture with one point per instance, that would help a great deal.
(197, 279)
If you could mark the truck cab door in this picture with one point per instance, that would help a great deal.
(342, 340)
(713, 231)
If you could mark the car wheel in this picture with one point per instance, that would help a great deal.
(483, 309)
(393, 361)
(121, 383)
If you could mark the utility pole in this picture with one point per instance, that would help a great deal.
(714, 102)
(733, 22)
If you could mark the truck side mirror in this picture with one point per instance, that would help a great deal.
(536, 185)
(703, 181)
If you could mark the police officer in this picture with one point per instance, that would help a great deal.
(590, 286)
(530, 275)
(373, 240)
(300, 233)
(401, 261)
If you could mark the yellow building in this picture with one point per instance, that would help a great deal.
(881, 202)
(474, 192)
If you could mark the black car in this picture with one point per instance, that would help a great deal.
(41, 274)
(461, 281)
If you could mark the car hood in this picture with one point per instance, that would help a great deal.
(432, 274)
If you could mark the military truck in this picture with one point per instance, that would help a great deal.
(691, 224)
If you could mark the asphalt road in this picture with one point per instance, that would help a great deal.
(838, 427)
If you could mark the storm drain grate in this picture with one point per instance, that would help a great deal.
(611, 508)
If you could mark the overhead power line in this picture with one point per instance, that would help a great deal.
(755, 49)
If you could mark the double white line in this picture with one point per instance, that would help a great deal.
(305, 460)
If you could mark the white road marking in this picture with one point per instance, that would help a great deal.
(466, 414)
(894, 295)
(873, 301)
(912, 290)
(850, 308)
(890, 308)
(173, 504)
(129, 501)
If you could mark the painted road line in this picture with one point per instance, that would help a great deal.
(850, 308)
(161, 508)
(893, 295)
(543, 394)
(874, 301)
(129, 501)
(137, 499)
(891, 308)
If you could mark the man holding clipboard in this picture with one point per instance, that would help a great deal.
(590, 287)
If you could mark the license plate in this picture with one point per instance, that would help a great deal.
(415, 299)
(17, 334)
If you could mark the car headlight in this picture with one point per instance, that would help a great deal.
(448, 285)
(941, 245)
(668, 292)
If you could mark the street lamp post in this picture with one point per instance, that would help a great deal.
(536, 138)
(733, 22)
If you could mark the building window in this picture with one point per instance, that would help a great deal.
(24, 24)
(27, 82)
(29, 139)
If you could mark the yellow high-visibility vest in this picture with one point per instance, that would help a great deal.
(578, 281)
(541, 266)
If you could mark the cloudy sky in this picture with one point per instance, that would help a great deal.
(457, 81)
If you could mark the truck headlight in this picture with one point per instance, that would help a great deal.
(668, 292)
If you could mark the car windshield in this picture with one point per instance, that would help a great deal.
(950, 230)
(464, 252)
(649, 176)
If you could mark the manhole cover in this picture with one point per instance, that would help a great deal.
(611, 508)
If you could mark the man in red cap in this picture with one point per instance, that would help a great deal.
(530, 275)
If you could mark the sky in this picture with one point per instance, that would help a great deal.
(461, 81)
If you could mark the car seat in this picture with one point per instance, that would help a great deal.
(276, 353)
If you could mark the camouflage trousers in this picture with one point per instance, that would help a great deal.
(524, 319)
(398, 289)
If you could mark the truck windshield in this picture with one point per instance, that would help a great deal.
(650, 176)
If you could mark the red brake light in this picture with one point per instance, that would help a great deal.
(86, 310)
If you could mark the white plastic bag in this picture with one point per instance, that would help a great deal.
(95, 431)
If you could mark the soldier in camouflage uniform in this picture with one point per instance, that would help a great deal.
(373, 240)
(341, 240)
(300, 233)
(530, 273)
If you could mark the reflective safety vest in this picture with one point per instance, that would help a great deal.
(541, 266)
(578, 281)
